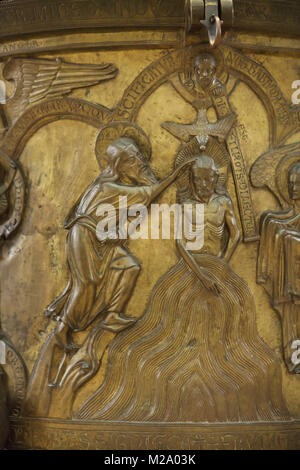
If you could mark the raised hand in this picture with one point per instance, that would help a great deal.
(182, 167)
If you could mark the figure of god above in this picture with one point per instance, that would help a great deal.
(150, 247)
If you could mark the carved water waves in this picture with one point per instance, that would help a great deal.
(196, 341)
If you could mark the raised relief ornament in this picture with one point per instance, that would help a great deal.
(121, 333)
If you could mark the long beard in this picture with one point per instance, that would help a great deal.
(143, 177)
(146, 177)
(204, 83)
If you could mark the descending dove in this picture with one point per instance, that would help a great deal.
(201, 128)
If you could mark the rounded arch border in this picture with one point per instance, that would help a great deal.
(254, 74)
(280, 114)
(45, 113)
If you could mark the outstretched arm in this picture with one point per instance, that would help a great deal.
(205, 280)
(158, 188)
(234, 233)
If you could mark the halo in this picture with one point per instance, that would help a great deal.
(282, 172)
(214, 149)
(189, 57)
(116, 130)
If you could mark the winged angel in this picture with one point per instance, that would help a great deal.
(40, 79)
(33, 81)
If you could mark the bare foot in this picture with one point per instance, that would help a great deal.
(61, 335)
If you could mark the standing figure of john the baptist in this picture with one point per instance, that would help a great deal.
(102, 272)
(195, 355)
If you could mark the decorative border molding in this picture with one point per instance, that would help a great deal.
(47, 434)
(91, 41)
(31, 16)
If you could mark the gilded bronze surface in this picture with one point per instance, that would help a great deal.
(31, 16)
(102, 276)
(278, 260)
(13, 383)
(146, 342)
(3, 410)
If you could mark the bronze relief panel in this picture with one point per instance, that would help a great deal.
(130, 339)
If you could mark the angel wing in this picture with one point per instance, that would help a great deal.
(264, 169)
(39, 79)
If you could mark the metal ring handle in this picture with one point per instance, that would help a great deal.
(215, 31)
